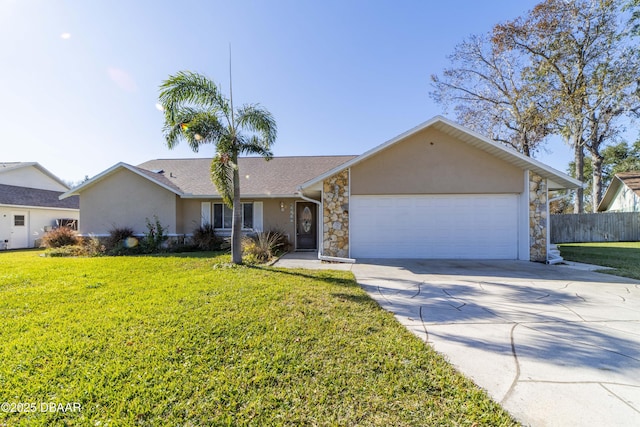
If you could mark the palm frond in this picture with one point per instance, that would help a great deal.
(222, 177)
(204, 128)
(253, 145)
(186, 87)
(172, 129)
(257, 119)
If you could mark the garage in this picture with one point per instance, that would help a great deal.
(468, 226)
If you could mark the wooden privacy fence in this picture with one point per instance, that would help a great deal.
(595, 227)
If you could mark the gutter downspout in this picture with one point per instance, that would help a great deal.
(321, 233)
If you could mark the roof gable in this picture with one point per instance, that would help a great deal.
(628, 179)
(156, 178)
(191, 178)
(631, 180)
(18, 174)
(557, 180)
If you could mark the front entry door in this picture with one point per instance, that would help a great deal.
(306, 226)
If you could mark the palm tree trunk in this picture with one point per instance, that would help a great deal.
(236, 226)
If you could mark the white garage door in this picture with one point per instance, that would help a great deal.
(434, 226)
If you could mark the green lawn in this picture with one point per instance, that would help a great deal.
(624, 257)
(185, 340)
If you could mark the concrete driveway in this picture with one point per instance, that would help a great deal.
(555, 346)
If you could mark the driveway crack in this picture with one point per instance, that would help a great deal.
(424, 326)
(419, 290)
(619, 398)
(516, 378)
(452, 297)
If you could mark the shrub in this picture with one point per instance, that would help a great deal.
(281, 243)
(59, 237)
(92, 246)
(205, 238)
(155, 235)
(66, 251)
(264, 246)
(121, 241)
(117, 236)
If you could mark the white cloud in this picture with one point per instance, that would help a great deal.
(123, 79)
(65, 36)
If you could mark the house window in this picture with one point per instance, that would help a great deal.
(223, 216)
(18, 220)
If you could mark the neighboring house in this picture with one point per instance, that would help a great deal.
(30, 204)
(623, 194)
(436, 191)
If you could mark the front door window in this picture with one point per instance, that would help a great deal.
(307, 219)
(306, 226)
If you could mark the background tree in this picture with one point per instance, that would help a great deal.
(621, 157)
(581, 56)
(195, 111)
(488, 94)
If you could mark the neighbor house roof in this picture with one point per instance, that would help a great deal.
(556, 179)
(33, 197)
(191, 178)
(629, 179)
(8, 166)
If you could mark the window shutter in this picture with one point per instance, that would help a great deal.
(257, 216)
(205, 213)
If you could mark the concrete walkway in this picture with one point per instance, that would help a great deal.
(556, 345)
(308, 260)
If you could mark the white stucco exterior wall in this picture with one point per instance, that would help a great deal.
(37, 221)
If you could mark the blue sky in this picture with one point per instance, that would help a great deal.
(79, 79)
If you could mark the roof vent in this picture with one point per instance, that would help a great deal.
(157, 170)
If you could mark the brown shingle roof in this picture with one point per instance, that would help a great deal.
(631, 180)
(23, 196)
(277, 177)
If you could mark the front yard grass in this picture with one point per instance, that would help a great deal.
(186, 340)
(623, 257)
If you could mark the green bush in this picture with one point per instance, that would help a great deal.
(59, 237)
(92, 246)
(66, 251)
(155, 236)
(121, 241)
(264, 246)
(205, 238)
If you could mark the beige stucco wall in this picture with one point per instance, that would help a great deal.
(189, 218)
(432, 162)
(275, 219)
(125, 199)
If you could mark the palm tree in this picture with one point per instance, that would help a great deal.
(195, 111)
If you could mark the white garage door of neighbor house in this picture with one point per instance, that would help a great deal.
(483, 226)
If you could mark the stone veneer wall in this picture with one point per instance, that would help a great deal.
(335, 215)
(537, 217)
